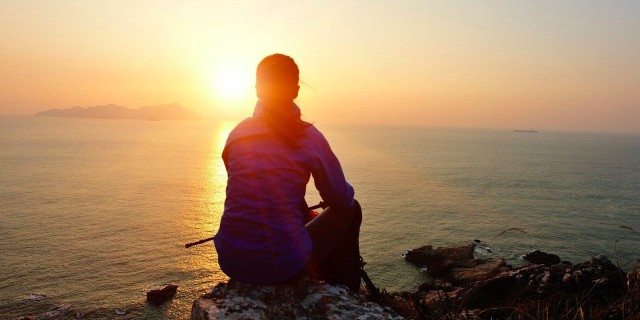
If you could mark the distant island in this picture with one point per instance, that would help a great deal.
(172, 111)
(526, 131)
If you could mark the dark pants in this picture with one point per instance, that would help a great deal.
(334, 234)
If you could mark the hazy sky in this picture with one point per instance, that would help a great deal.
(550, 65)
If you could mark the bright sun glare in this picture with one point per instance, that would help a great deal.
(232, 83)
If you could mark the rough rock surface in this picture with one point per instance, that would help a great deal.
(598, 276)
(300, 300)
(461, 283)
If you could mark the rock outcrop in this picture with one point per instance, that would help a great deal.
(460, 285)
(303, 299)
(598, 278)
(596, 288)
(456, 265)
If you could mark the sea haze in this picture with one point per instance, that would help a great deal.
(96, 211)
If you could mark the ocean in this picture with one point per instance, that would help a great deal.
(95, 212)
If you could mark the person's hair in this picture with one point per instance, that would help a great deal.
(277, 78)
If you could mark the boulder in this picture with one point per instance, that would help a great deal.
(439, 261)
(456, 264)
(303, 299)
(501, 289)
(482, 270)
(539, 257)
(160, 295)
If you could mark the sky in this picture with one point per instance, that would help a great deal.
(546, 65)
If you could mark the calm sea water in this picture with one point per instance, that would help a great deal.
(94, 212)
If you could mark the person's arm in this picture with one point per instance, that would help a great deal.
(328, 176)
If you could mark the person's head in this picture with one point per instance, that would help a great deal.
(277, 79)
(277, 86)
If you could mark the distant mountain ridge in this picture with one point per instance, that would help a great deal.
(171, 111)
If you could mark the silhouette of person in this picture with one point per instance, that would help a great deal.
(270, 158)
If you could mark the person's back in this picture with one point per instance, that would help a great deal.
(269, 159)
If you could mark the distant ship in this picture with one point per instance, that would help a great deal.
(527, 131)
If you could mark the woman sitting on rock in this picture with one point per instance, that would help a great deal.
(270, 158)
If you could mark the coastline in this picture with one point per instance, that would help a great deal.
(462, 287)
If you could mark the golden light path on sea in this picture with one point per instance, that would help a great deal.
(202, 259)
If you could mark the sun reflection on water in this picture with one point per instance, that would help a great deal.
(216, 172)
(201, 260)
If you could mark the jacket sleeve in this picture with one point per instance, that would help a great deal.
(328, 175)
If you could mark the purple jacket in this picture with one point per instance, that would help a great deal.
(262, 237)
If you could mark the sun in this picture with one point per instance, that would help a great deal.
(232, 83)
